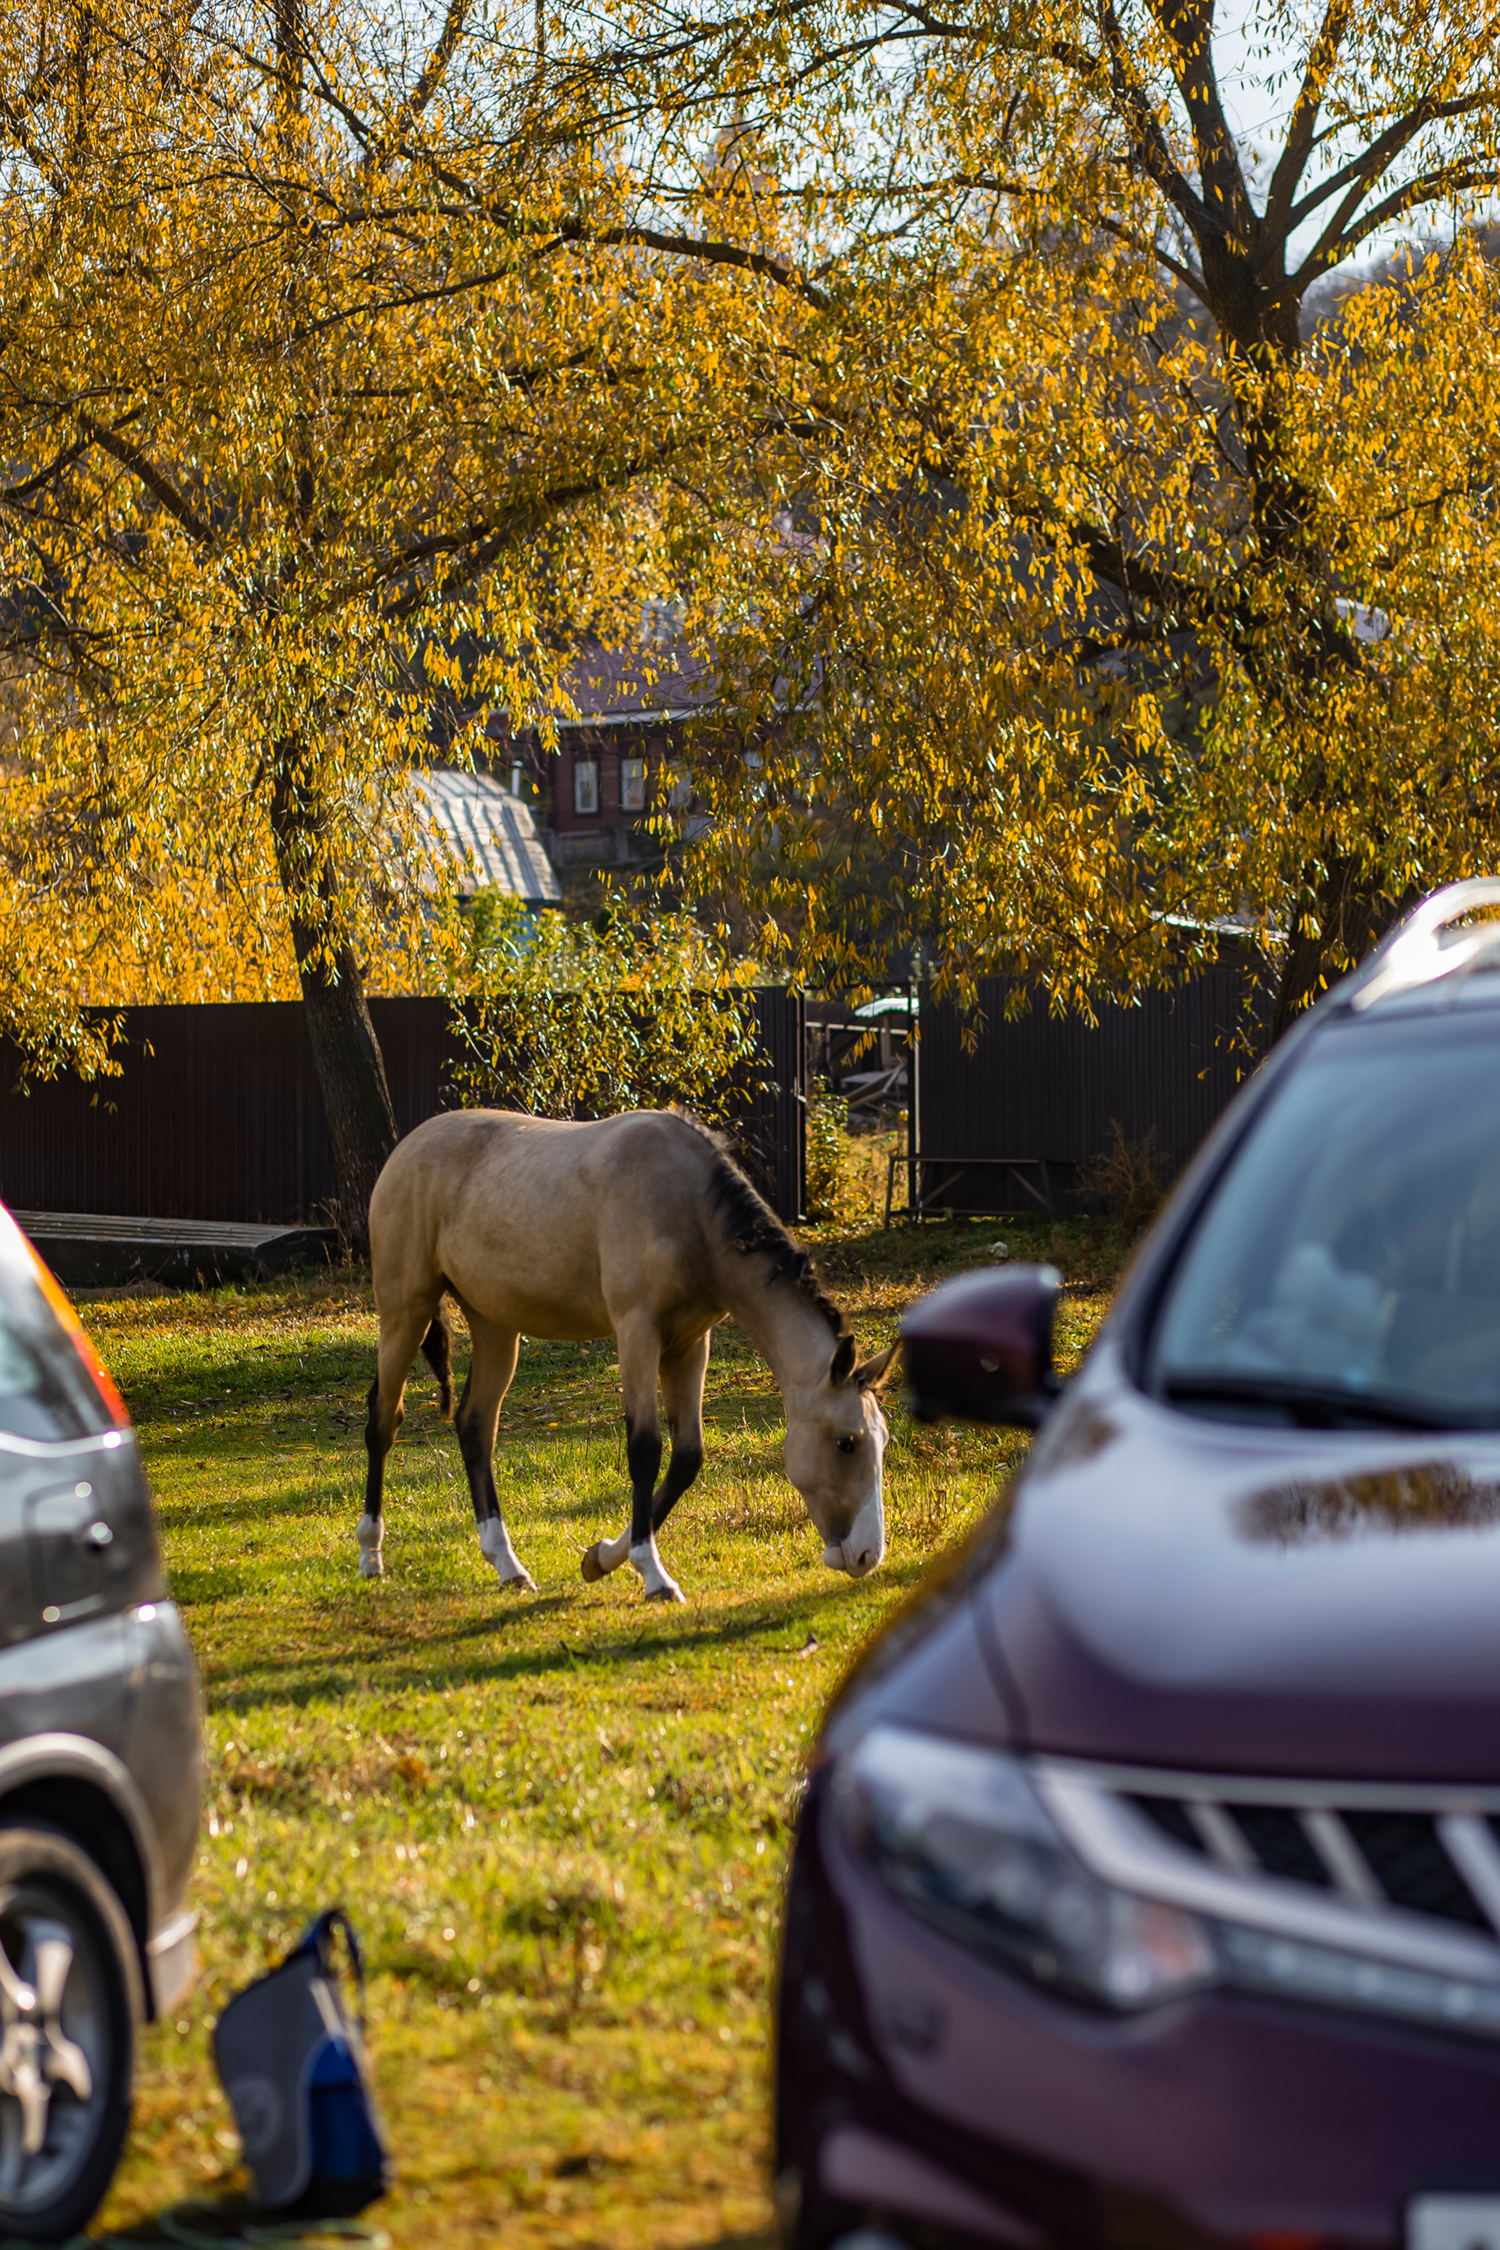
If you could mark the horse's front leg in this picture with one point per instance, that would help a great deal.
(640, 1362)
(681, 1378)
(492, 1364)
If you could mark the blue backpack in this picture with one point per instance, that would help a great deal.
(293, 2065)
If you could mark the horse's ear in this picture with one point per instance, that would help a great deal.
(841, 1366)
(872, 1375)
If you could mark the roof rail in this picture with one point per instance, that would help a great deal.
(1420, 950)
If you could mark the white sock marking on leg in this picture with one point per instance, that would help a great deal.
(647, 1562)
(494, 1542)
(612, 1552)
(369, 1531)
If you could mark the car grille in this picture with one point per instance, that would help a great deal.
(1400, 1853)
(1408, 1874)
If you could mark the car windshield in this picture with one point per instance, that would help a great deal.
(1348, 1266)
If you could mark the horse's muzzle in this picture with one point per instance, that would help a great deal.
(863, 1548)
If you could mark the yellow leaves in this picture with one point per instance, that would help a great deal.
(1023, 568)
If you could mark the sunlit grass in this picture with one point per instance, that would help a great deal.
(559, 1820)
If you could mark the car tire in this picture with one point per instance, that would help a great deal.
(70, 2001)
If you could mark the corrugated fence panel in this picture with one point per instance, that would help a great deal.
(217, 1114)
(773, 1121)
(1049, 1090)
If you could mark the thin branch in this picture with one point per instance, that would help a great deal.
(1302, 127)
(1188, 28)
(146, 473)
(689, 246)
(438, 61)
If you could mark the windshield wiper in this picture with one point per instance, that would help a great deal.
(1316, 1405)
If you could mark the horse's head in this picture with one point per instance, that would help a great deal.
(835, 1440)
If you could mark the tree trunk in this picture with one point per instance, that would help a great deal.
(346, 1052)
(351, 1073)
(1353, 915)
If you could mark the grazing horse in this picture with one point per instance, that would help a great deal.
(641, 1228)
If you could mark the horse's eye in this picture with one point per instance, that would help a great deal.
(846, 1444)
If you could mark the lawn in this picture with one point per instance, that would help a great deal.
(560, 1820)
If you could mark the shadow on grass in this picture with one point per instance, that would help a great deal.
(226, 2219)
(222, 2219)
(279, 1679)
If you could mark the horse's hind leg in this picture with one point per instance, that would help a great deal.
(437, 1350)
(401, 1333)
(491, 1368)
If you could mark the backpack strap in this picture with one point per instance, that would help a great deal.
(318, 1938)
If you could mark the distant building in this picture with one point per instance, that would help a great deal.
(619, 760)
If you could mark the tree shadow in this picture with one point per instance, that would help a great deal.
(432, 1665)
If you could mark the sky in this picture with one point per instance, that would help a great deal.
(1258, 72)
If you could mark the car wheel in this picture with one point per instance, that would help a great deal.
(70, 1998)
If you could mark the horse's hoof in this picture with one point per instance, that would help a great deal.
(522, 1583)
(667, 1593)
(370, 1565)
(593, 1570)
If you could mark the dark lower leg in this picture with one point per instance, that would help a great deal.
(377, 1446)
(380, 1431)
(686, 1461)
(479, 1464)
(643, 1460)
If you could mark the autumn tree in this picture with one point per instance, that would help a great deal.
(289, 419)
(1139, 584)
(954, 372)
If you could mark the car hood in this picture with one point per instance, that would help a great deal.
(1199, 1594)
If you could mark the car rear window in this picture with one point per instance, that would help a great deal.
(1348, 1265)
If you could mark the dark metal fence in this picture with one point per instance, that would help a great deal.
(217, 1113)
(1016, 1119)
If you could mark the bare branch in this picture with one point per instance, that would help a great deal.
(1361, 172)
(438, 61)
(1340, 239)
(1301, 130)
(147, 474)
(689, 246)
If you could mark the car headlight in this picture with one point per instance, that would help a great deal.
(963, 1837)
(966, 1841)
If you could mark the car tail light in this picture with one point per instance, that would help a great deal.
(73, 1328)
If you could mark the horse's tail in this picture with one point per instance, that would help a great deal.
(437, 1350)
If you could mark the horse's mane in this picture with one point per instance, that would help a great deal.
(752, 1228)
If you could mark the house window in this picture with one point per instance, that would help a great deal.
(679, 788)
(633, 784)
(585, 785)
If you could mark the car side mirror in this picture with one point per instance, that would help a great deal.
(980, 1347)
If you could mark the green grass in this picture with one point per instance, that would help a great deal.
(560, 1820)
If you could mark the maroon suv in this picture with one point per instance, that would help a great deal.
(1147, 1888)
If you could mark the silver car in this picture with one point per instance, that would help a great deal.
(101, 1763)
